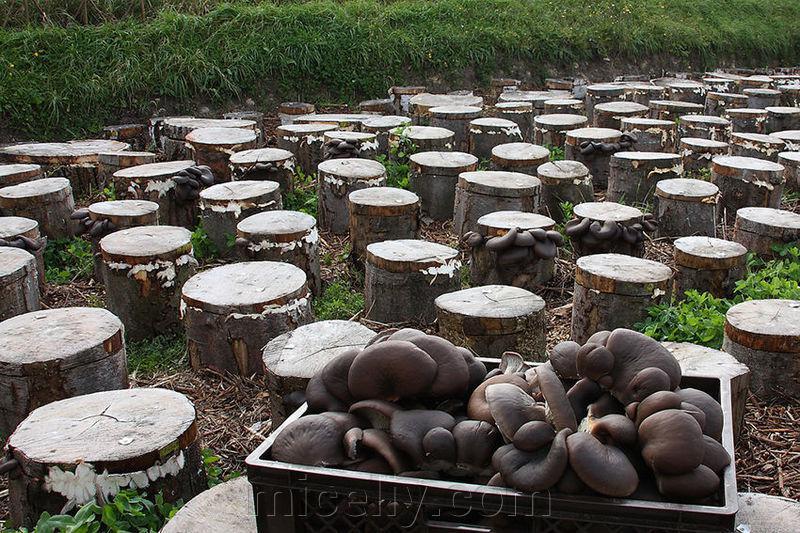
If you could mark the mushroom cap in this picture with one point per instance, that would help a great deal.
(475, 367)
(478, 407)
(534, 471)
(583, 393)
(381, 336)
(496, 481)
(406, 334)
(605, 405)
(352, 443)
(335, 375)
(559, 410)
(658, 401)
(373, 465)
(408, 429)
(563, 357)
(476, 441)
(605, 469)
(716, 457)
(379, 442)
(377, 413)
(452, 375)
(695, 411)
(618, 430)
(570, 483)
(711, 408)
(595, 362)
(439, 447)
(600, 337)
(314, 440)
(646, 382)
(391, 370)
(693, 485)
(671, 442)
(533, 435)
(511, 407)
(319, 399)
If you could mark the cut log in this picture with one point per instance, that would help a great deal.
(48, 201)
(213, 147)
(706, 264)
(686, 207)
(225, 507)
(791, 173)
(652, 135)
(380, 106)
(486, 133)
(597, 161)
(342, 121)
(174, 132)
(642, 93)
(601, 93)
(760, 228)
(289, 111)
(672, 109)
(349, 144)
(746, 182)
(696, 154)
(381, 214)
(564, 182)
(782, 119)
(762, 512)
(717, 103)
(19, 173)
(19, 282)
(401, 96)
(756, 145)
(455, 118)
(305, 142)
(758, 98)
(336, 179)
(434, 176)
(519, 157)
(380, 126)
(610, 114)
(11, 228)
(704, 127)
(264, 164)
(551, 130)
(520, 113)
(687, 91)
(564, 106)
(110, 162)
(746, 120)
(420, 105)
(633, 175)
(586, 243)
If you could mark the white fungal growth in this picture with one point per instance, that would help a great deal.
(161, 187)
(235, 206)
(310, 139)
(676, 169)
(333, 180)
(165, 271)
(311, 237)
(376, 182)
(293, 308)
(512, 131)
(447, 268)
(368, 146)
(292, 138)
(658, 292)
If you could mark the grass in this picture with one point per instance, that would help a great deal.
(339, 301)
(304, 196)
(68, 260)
(69, 81)
(161, 353)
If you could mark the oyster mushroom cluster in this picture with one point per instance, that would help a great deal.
(22, 242)
(604, 418)
(593, 237)
(341, 149)
(189, 181)
(246, 173)
(626, 141)
(95, 228)
(518, 246)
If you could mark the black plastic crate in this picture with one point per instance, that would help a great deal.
(298, 499)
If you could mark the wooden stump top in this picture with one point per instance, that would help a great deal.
(353, 169)
(677, 106)
(605, 89)
(623, 274)
(246, 288)
(276, 226)
(111, 429)
(295, 108)
(685, 84)
(238, 191)
(737, 166)
(612, 108)
(445, 163)
(520, 154)
(765, 325)
(760, 91)
(576, 137)
(769, 142)
(745, 113)
(126, 159)
(727, 97)
(698, 144)
(782, 111)
(767, 220)
(788, 136)
(559, 172)
(492, 123)
(143, 244)
(154, 171)
(225, 507)
(13, 262)
(637, 160)
(687, 190)
(382, 201)
(428, 100)
(339, 119)
(708, 253)
(560, 120)
(500, 222)
(644, 88)
(456, 112)
(763, 512)
(19, 173)
(696, 360)
(53, 154)
(499, 183)
(407, 89)
(563, 102)
(297, 130)
(647, 123)
(491, 302)
(44, 190)
(789, 159)
(413, 255)
(705, 119)
(385, 123)
(260, 155)
(179, 127)
(13, 226)
(532, 96)
(304, 351)
(349, 136)
(423, 133)
(223, 137)
(510, 107)
(602, 211)
(64, 334)
(132, 211)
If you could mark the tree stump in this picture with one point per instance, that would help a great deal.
(709, 265)
(487, 268)
(696, 154)
(551, 130)
(486, 133)
(745, 120)
(642, 93)
(110, 162)
(420, 105)
(673, 109)
(704, 127)
(687, 91)
(782, 119)
(765, 335)
(133, 134)
(434, 176)
(685, 207)
(519, 157)
(120, 214)
(520, 113)
(11, 228)
(349, 144)
(174, 132)
(293, 358)
(746, 182)
(493, 319)
(760, 228)
(48, 201)
(264, 164)
(719, 85)
(381, 214)
(285, 236)
(342, 121)
(564, 182)
(762, 512)
(156, 133)
(790, 95)
(15, 174)
(596, 161)
(756, 145)
(19, 282)
(305, 142)
(535, 98)
(255, 116)
(601, 93)
(154, 182)
(213, 147)
(289, 111)
(762, 98)
(88, 448)
(718, 103)
(337, 178)
(381, 126)
(652, 135)
(610, 114)
(404, 277)
(791, 164)
(54, 354)
(482, 192)
(222, 206)
(564, 106)
(614, 291)
(144, 269)
(422, 138)
(401, 96)
(380, 106)
(790, 137)
(696, 360)
(586, 243)
(633, 175)
(454, 118)
(755, 82)
(231, 311)
(225, 507)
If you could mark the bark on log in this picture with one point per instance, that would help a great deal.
(708, 265)
(455, 118)
(336, 179)
(264, 164)
(746, 182)
(19, 283)
(564, 182)
(434, 176)
(633, 175)
(213, 147)
(48, 201)
(597, 161)
(14, 174)
(551, 130)
(686, 207)
(11, 227)
(760, 228)
(381, 214)
(487, 191)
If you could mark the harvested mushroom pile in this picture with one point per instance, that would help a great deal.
(518, 245)
(607, 417)
(592, 236)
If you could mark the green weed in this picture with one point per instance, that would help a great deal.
(397, 174)
(161, 353)
(338, 302)
(68, 260)
(204, 248)
(556, 153)
(304, 196)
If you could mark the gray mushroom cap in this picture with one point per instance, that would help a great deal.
(671, 442)
(559, 410)
(511, 407)
(478, 407)
(534, 471)
(476, 441)
(698, 483)
(563, 356)
(314, 440)
(391, 370)
(709, 406)
(604, 468)
(408, 429)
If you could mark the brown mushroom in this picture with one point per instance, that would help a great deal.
(511, 407)
(715, 457)
(377, 413)
(583, 393)
(646, 382)
(314, 440)
(391, 370)
(452, 375)
(379, 442)
(709, 406)
(696, 484)
(534, 471)
(604, 468)
(614, 429)
(671, 442)
(475, 368)
(409, 428)
(658, 401)
(563, 357)
(478, 407)
(476, 441)
(559, 410)
(439, 448)
(595, 362)
(533, 435)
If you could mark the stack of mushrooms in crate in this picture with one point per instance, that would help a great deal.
(608, 418)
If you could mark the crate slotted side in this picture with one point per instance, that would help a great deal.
(299, 499)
